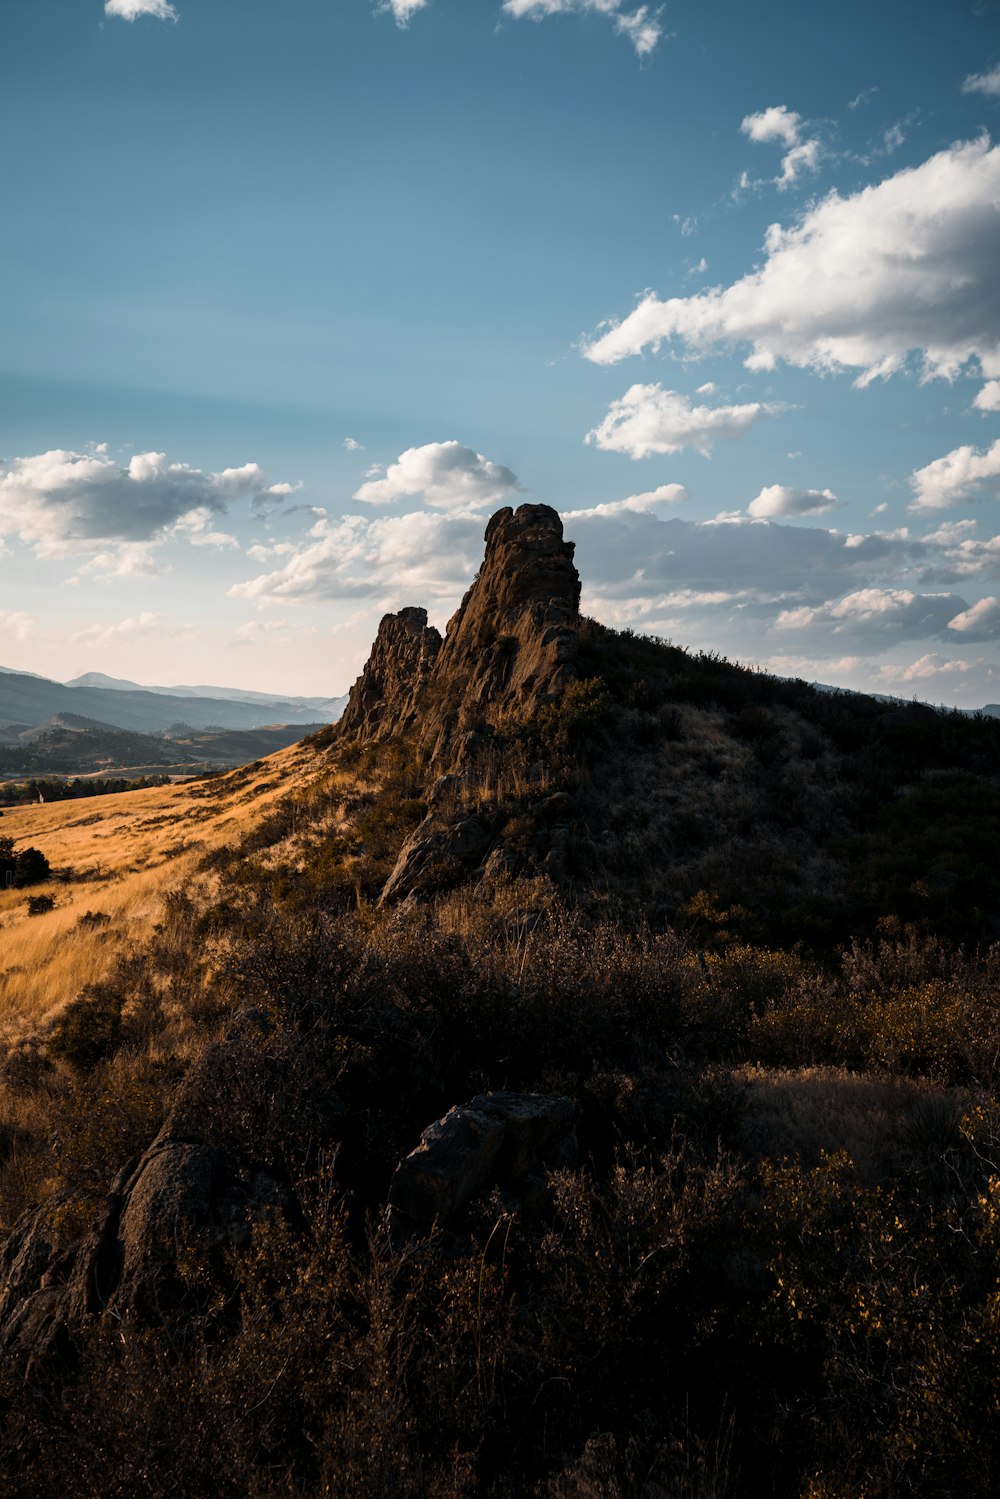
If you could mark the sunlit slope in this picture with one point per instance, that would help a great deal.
(117, 857)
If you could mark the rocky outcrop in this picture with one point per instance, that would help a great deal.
(512, 644)
(438, 849)
(386, 697)
(506, 1139)
(181, 1198)
(510, 648)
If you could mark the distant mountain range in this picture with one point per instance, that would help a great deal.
(28, 701)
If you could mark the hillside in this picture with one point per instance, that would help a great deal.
(72, 746)
(573, 1073)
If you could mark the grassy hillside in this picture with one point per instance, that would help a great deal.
(746, 929)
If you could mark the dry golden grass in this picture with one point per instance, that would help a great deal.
(119, 855)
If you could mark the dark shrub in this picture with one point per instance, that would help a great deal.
(90, 1027)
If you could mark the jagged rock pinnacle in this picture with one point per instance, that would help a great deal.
(510, 647)
(384, 698)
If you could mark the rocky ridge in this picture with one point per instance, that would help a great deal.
(510, 648)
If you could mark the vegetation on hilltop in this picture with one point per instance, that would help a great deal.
(747, 929)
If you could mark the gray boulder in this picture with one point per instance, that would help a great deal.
(506, 1139)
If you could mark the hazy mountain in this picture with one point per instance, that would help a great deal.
(29, 699)
(324, 709)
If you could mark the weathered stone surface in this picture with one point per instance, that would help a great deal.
(386, 697)
(510, 648)
(184, 1195)
(505, 1138)
(448, 1167)
(179, 1196)
(538, 1130)
(434, 850)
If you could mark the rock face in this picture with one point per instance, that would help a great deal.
(505, 1138)
(510, 648)
(180, 1197)
(385, 698)
(437, 848)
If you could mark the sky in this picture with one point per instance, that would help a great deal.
(293, 297)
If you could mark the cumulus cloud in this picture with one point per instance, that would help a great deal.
(195, 528)
(777, 500)
(353, 446)
(988, 398)
(648, 419)
(402, 11)
(784, 125)
(447, 475)
(636, 504)
(983, 83)
(640, 26)
(860, 282)
(872, 618)
(423, 557)
(958, 475)
(778, 123)
(130, 10)
(62, 502)
(926, 668)
(981, 622)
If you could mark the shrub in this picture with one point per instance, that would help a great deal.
(90, 1027)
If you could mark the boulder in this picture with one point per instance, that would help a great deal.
(179, 1197)
(506, 1139)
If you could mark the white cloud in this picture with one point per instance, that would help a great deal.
(130, 10)
(800, 159)
(777, 500)
(648, 419)
(273, 632)
(957, 476)
(981, 622)
(129, 559)
(968, 558)
(421, 558)
(871, 619)
(447, 475)
(194, 527)
(62, 502)
(134, 628)
(983, 83)
(859, 282)
(16, 623)
(353, 446)
(927, 668)
(260, 552)
(988, 398)
(779, 123)
(635, 504)
(641, 26)
(402, 11)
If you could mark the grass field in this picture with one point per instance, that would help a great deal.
(117, 856)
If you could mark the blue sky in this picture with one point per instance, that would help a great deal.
(294, 296)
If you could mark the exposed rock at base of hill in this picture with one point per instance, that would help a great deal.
(506, 1139)
(438, 849)
(180, 1199)
(510, 648)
